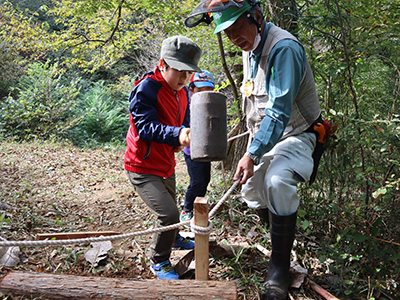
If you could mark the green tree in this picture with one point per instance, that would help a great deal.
(43, 104)
(101, 118)
(21, 39)
(354, 51)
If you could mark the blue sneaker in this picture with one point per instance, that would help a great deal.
(164, 270)
(183, 243)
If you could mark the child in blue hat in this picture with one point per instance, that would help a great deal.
(199, 171)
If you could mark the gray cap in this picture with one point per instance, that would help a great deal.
(181, 53)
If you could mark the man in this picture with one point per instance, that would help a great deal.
(281, 106)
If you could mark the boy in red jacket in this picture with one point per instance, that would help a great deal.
(159, 115)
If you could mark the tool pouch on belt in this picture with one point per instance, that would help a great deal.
(319, 129)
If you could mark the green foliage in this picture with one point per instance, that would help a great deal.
(21, 33)
(43, 104)
(102, 119)
(95, 34)
(10, 68)
(355, 61)
(11, 44)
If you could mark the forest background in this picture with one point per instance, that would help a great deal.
(67, 67)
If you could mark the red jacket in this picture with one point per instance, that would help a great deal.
(157, 114)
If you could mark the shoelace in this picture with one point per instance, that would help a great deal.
(166, 267)
(184, 240)
(187, 215)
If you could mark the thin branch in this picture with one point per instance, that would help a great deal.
(327, 34)
(119, 9)
(354, 96)
(101, 41)
(398, 72)
(227, 73)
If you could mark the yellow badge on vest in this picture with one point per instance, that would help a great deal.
(248, 88)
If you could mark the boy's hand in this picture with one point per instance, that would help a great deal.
(184, 137)
(178, 148)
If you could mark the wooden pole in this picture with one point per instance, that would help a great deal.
(201, 241)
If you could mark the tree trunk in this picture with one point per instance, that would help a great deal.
(55, 286)
(236, 147)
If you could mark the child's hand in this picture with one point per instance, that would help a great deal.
(178, 148)
(184, 137)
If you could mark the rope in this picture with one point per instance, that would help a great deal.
(199, 229)
(120, 236)
(215, 209)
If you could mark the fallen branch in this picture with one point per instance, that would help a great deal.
(74, 235)
(324, 293)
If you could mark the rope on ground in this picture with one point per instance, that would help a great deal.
(115, 237)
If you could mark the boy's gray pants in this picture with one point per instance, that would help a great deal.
(160, 196)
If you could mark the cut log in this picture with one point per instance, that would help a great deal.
(56, 286)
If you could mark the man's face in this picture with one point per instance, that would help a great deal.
(242, 33)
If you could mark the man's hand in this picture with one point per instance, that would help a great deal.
(244, 170)
(184, 137)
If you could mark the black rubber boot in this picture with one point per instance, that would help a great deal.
(282, 237)
(263, 213)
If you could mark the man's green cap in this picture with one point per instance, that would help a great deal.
(224, 19)
(181, 53)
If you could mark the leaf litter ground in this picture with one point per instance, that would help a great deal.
(54, 188)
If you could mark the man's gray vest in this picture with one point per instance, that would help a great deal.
(305, 108)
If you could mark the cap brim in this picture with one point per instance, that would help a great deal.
(201, 84)
(182, 66)
(237, 13)
(225, 25)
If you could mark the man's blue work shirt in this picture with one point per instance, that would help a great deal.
(285, 70)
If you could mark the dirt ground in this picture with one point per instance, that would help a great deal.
(55, 188)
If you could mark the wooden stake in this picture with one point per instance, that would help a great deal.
(201, 241)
